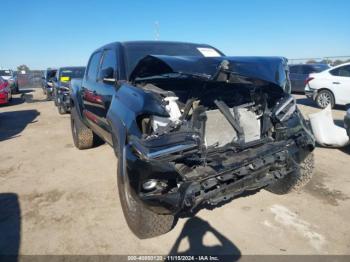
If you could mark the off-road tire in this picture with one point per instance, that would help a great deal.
(15, 90)
(143, 222)
(48, 96)
(325, 94)
(61, 110)
(83, 136)
(295, 180)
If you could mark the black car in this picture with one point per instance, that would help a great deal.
(300, 72)
(47, 82)
(61, 86)
(190, 127)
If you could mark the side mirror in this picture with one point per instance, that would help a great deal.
(107, 75)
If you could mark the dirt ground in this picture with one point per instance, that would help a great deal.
(55, 199)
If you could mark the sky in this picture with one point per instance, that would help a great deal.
(53, 33)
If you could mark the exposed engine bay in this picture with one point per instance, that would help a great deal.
(221, 136)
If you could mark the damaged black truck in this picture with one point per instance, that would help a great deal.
(190, 127)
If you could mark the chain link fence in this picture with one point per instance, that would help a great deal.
(30, 79)
(330, 60)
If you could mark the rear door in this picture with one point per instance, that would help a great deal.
(105, 89)
(293, 75)
(89, 86)
(341, 84)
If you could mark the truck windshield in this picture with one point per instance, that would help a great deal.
(136, 51)
(69, 73)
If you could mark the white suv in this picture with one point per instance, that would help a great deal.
(331, 86)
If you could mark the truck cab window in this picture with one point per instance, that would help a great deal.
(93, 66)
(108, 65)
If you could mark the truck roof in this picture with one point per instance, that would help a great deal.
(147, 42)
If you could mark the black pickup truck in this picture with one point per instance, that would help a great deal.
(61, 86)
(191, 127)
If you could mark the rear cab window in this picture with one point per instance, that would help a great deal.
(109, 60)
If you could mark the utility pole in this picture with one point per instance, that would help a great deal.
(156, 30)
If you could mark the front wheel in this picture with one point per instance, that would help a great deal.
(295, 180)
(325, 98)
(143, 222)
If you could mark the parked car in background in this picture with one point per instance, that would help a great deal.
(47, 82)
(298, 73)
(5, 91)
(11, 78)
(331, 86)
(61, 86)
(190, 127)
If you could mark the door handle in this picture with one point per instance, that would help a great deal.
(336, 83)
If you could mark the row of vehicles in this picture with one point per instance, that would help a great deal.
(190, 126)
(323, 84)
(56, 85)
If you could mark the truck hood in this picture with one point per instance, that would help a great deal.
(270, 69)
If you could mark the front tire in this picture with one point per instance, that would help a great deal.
(296, 180)
(142, 222)
(83, 136)
(325, 98)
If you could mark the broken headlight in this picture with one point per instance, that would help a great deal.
(284, 108)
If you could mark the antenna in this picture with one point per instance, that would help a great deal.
(156, 30)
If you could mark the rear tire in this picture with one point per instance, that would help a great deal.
(83, 136)
(61, 110)
(295, 180)
(48, 96)
(143, 222)
(324, 98)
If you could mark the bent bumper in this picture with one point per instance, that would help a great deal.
(63, 99)
(246, 170)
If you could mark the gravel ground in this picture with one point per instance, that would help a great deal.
(55, 199)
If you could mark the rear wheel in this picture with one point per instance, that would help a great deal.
(295, 180)
(325, 98)
(83, 136)
(48, 96)
(143, 222)
(61, 110)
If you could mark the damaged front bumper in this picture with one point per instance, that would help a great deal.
(63, 99)
(224, 175)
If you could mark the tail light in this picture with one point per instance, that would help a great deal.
(308, 80)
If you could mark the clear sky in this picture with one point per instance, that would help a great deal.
(44, 33)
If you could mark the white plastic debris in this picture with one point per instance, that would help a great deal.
(174, 112)
(325, 131)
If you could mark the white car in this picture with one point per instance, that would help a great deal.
(331, 86)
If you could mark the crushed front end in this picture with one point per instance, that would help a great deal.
(218, 136)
